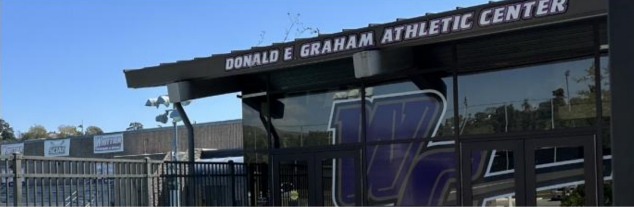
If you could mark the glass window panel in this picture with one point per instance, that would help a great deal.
(420, 107)
(317, 118)
(607, 168)
(502, 161)
(257, 164)
(338, 182)
(561, 183)
(568, 153)
(605, 87)
(256, 157)
(544, 156)
(607, 148)
(417, 173)
(254, 121)
(294, 190)
(492, 177)
(504, 200)
(542, 97)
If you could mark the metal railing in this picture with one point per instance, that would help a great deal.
(57, 181)
(48, 181)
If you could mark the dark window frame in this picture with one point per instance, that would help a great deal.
(455, 72)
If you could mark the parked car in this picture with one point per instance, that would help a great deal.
(559, 193)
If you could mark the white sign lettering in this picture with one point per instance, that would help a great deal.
(390, 34)
(252, 59)
(108, 143)
(9, 149)
(57, 148)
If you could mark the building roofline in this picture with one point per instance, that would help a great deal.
(217, 66)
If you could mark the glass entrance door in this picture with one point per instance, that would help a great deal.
(339, 179)
(530, 172)
(561, 172)
(492, 173)
(318, 179)
(293, 180)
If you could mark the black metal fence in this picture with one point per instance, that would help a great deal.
(49, 181)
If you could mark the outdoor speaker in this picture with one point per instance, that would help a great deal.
(379, 62)
(367, 63)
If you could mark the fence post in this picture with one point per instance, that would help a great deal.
(250, 179)
(17, 182)
(148, 181)
(232, 175)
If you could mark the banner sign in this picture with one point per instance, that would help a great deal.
(9, 149)
(108, 143)
(401, 32)
(57, 148)
(487, 19)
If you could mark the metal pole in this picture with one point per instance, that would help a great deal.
(176, 193)
(190, 131)
(175, 154)
(233, 183)
(552, 114)
(175, 143)
(506, 119)
(568, 90)
(190, 153)
(17, 182)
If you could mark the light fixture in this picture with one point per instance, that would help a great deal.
(162, 118)
(176, 117)
(151, 102)
(165, 100)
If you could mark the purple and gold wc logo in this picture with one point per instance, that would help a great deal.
(403, 173)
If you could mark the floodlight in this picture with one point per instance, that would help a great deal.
(176, 117)
(162, 118)
(151, 102)
(165, 100)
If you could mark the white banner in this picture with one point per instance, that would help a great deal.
(108, 143)
(57, 148)
(9, 149)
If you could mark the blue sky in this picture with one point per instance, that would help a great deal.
(61, 62)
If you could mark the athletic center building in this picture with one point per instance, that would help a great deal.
(508, 103)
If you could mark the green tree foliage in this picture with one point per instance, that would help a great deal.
(6, 132)
(255, 137)
(68, 131)
(134, 126)
(35, 132)
(579, 110)
(93, 130)
(576, 198)
(607, 193)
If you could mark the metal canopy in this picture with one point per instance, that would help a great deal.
(463, 23)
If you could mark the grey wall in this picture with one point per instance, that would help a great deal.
(216, 135)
